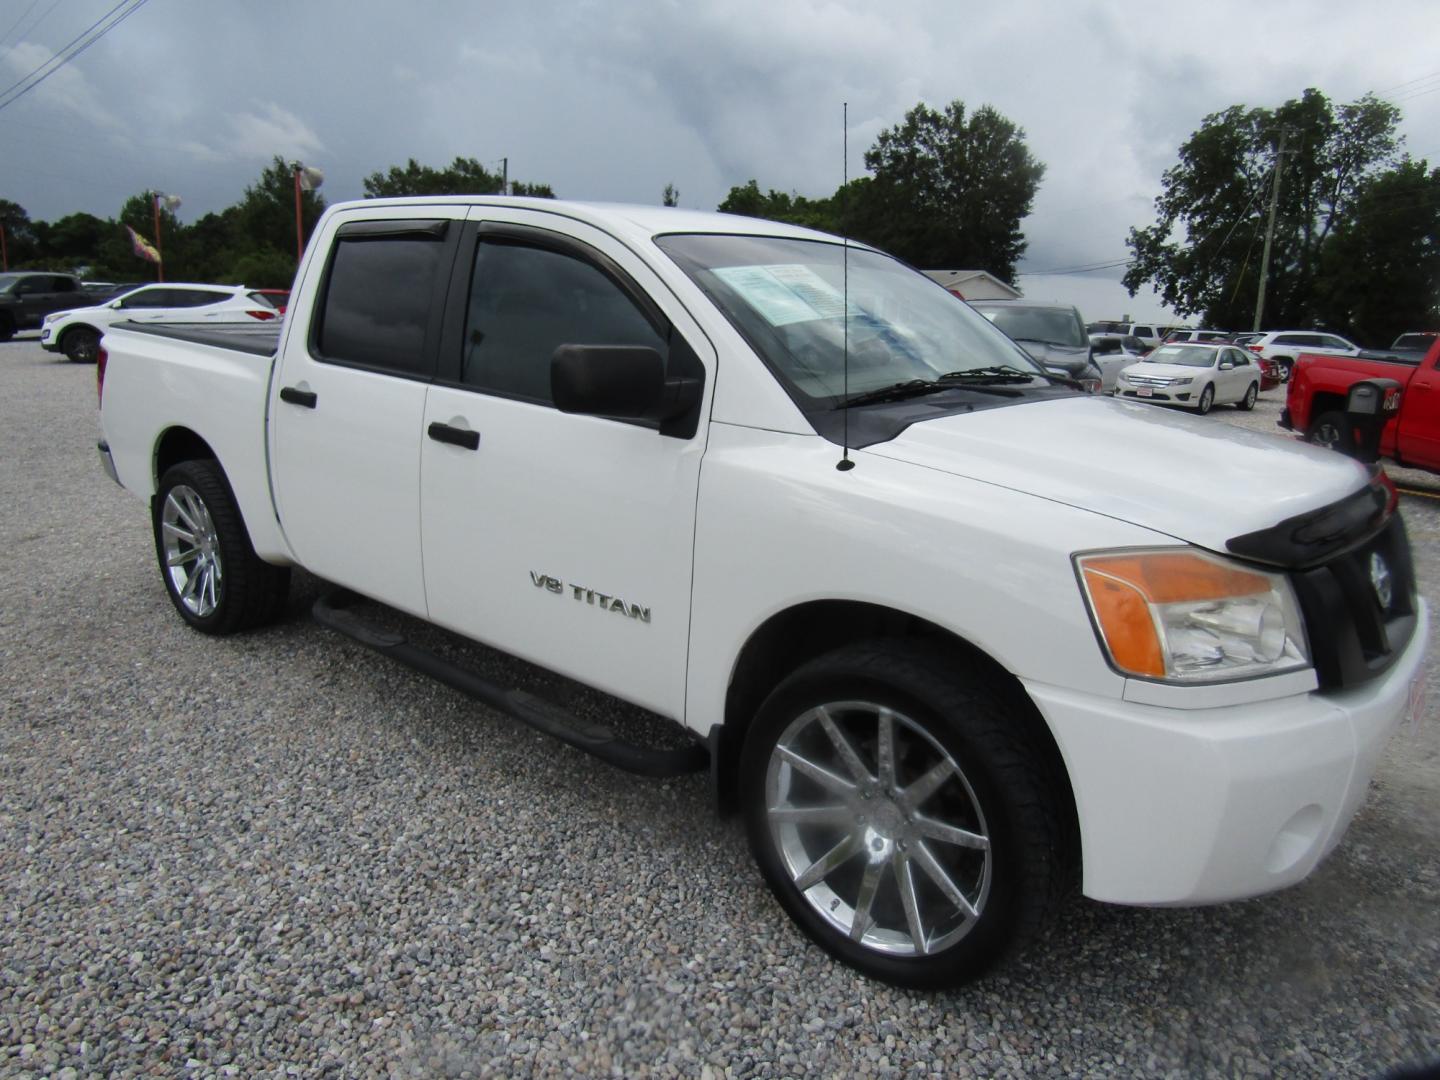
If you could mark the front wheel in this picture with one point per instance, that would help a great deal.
(1207, 398)
(899, 816)
(212, 574)
(81, 345)
(1247, 403)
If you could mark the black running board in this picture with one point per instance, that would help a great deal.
(330, 611)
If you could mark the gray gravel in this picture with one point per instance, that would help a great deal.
(277, 856)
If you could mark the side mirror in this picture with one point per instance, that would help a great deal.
(1227, 366)
(625, 381)
(114, 304)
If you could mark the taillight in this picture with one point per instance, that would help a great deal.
(1255, 348)
(260, 313)
(1392, 493)
(101, 359)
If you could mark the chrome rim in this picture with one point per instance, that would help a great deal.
(192, 550)
(878, 828)
(1327, 435)
(1250, 396)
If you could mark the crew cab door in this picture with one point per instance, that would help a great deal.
(565, 539)
(348, 399)
(1419, 434)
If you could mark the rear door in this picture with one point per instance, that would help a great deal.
(564, 539)
(349, 399)
(1419, 437)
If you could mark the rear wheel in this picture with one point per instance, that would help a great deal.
(1285, 364)
(1332, 430)
(1247, 403)
(899, 815)
(211, 572)
(81, 344)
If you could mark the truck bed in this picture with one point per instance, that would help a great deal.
(259, 339)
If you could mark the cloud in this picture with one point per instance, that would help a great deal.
(66, 88)
(270, 129)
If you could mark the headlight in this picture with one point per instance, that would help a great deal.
(1181, 382)
(1184, 615)
(54, 316)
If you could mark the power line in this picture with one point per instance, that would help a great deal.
(70, 51)
(28, 29)
(1409, 82)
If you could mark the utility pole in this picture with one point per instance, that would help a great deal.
(1269, 232)
(504, 176)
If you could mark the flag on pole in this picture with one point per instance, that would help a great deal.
(309, 176)
(142, 247)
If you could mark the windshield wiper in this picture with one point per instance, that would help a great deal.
(896, 392)
(1004, 373)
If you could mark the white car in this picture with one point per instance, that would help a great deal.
(1283, 346)
(1194, 376)
(1112, 353)
(77, 332)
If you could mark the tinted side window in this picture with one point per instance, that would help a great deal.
(148, 298)
(377, 301)
(525, 302)
(197, 297)
(62, 284)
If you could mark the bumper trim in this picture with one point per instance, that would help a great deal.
(107, 461)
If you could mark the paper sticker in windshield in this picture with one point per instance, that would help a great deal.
(784, 294)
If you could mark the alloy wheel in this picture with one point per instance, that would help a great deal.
(192, 551)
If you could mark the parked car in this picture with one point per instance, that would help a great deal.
(1194, 376)
(1283, 346)
(26, 297)
(1054, 334)
(1315, 402)
(1416, 340)
(951, 636)
(1112, 352)
(279, 297)
(1213, 337)
(77, 333)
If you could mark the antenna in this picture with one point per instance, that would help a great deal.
(845, 464)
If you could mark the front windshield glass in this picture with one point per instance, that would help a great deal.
(1053, 326)
(787, 298)
(1184, 355)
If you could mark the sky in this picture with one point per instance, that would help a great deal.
(613, 99)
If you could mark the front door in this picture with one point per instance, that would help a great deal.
(562, 538)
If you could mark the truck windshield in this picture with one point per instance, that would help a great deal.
(788, 298)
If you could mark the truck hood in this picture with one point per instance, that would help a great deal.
(1198, 479)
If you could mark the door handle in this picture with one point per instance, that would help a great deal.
(461, 437)
(304, 398)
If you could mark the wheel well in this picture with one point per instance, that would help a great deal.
(177, 445)
(798, 635)
(72, 328)
(1320, 404)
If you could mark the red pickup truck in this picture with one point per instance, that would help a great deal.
(1315, 402)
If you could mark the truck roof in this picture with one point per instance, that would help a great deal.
(635, 221)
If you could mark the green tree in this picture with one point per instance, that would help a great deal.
(947, 190)
(1218, 197)
(670, 196)
(19, 233)
(535, 191)
(463, 176)
(1380, 273)
(747, 199)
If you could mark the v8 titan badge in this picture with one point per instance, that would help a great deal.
(592, 597)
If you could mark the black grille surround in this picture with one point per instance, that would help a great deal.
(1338, 558)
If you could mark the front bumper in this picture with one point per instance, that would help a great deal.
(1207, 805)
(48, 341)
(1165, 395)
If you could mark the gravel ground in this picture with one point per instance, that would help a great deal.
(274, 855)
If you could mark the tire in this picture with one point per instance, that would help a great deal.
(1247, 403)
(816, 798)
(81, 344)
(211, 572)
(1332, 430)
(1286, 363)
(1207, 399)
(7, 328)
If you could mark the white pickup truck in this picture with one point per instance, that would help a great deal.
(952, 635)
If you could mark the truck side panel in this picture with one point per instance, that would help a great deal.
(155, 384)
